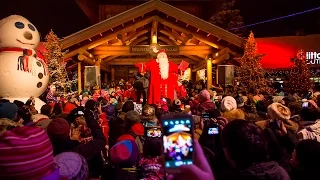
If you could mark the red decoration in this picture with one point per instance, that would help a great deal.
(183, 66)
(40, 51)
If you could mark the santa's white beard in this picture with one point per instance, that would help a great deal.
(164, 67)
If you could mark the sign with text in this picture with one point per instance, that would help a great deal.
(313, 58)
(144, 49)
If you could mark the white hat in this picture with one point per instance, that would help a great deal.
(228, 103)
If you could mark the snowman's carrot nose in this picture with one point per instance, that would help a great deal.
(27, 35)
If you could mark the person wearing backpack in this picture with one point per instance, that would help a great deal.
(134, 130)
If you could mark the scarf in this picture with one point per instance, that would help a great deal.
(24, 62)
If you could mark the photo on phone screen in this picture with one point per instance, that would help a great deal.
(153, 132)
(178, 142)
(213, 131)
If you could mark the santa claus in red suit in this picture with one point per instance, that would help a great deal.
(181, 90)
(163, 77)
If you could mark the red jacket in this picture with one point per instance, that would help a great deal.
(104, 125)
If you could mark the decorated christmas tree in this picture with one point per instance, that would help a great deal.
(250, 74)
(57, 65)
(229, 18)
(300, 74)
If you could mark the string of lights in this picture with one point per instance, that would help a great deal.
(275, 19)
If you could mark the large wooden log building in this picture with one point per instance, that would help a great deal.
(121, 40)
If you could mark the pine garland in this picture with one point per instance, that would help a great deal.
(57, 66)
(250, 74)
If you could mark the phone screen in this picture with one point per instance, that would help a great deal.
(153, 132)
(213, 131)
(305, 104)
(80, 113)
(205, 116)
(178, 142)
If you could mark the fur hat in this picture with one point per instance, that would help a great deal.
(58, 128)
(204, 96)
(279, 111)
(228, 103)
(277, 99)
(8, 110)
(26, 153)
(72, 166)
(148, 113)
(124, 153)
(233, 114)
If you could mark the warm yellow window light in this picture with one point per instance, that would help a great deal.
(154, 39)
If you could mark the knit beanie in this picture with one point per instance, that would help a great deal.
(204, 96)
(124, 153)
(8, 110)
(279, 111)
(132, 117)
(228, 103)
(58, 128)
(69, 107)
(26, 153)
(72, 166)
(128, 106)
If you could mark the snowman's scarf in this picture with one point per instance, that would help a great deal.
(25, 63)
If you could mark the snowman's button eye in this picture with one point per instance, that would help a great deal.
(31, 27)
(19, 25)
(38, 63)
(39, 84)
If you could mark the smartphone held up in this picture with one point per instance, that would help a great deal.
(178, 145)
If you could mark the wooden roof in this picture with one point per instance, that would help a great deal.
(109, 40)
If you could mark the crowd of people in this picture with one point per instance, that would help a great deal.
(101, 135)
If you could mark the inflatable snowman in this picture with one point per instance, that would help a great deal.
(22, 73)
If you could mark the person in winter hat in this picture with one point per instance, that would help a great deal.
(8, 116)
(204, 103)
(8, 110)
(230, 110)
(72, 166)
(148, 116)
(134, 130)
(26, 153)
(246, 149)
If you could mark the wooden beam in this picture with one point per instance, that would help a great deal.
(154, 31)
(132, 61)
(137, 41)
(195, 35)
(127, 48)
(170, 34)
(127, 53)
(110, 58)
(187, 39)
(110, 37)
(83, 58)
(194, 58)
(120, 39)
(85, 52)
(217, 60)
(168, 41)
(135, 35)
(90, 8)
